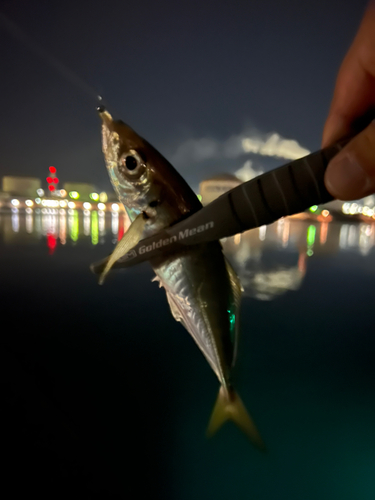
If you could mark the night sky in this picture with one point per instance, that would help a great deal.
(174, 71)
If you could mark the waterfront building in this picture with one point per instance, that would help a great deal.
(21, 186)
(212, 188)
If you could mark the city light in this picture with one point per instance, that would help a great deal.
(115, 207)
(87, 205)
(325, 213)
(314, 208)
(346, 208)
(71, 204)
(63, 193)
(50, 203)
(40, 192)
(94, 228)
(94, 196)
(353, 208)
(29, 203)
(38, 201)
(367, 211)
(15, 203)
(74, 195)
(51, 188)
(103, 197)
(101, 206)
(310, 240)
(310, 237)
(62, 204)
(52, 170)
(74, 226)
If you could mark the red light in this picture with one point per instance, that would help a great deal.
(52, 170)
(121, 229)
(51, 188)
(51, 243)
(55, 180)
(49, 180)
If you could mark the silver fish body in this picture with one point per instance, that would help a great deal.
(202, 298)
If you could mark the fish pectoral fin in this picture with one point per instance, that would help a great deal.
(229, 406)
(127, 242)
(97, 267)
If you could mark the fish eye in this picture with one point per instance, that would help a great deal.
(132, 164)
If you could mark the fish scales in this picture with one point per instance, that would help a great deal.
(194, 277)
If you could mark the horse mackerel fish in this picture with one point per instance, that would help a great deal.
(202, 289)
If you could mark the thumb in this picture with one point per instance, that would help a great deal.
(350, 175)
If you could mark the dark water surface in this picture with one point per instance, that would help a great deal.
(104, 393)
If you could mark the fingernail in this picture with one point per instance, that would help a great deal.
(345, 178)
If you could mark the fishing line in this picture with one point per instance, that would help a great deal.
(16, 32)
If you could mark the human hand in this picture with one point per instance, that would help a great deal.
(351, 173)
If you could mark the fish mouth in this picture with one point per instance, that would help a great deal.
(105, 116)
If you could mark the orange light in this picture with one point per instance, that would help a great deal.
(325, 213)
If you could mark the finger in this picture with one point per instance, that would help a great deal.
(354, 90)
(354, 96)
(351, 173)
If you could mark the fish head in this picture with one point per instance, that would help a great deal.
(142, 178)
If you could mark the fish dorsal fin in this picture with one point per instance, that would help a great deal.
(237, 293)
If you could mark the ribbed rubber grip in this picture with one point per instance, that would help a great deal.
(287, 190)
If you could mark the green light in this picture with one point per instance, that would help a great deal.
(74, 195)
(314, 208)
(94, 228)
(199, 196)
(94, 196)
(310, 237)
(232, 321)
(310, 240)
(74, 231)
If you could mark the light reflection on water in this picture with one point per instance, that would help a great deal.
(269, 260)
(306, 367)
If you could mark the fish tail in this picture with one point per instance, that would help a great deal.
(229, 406)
